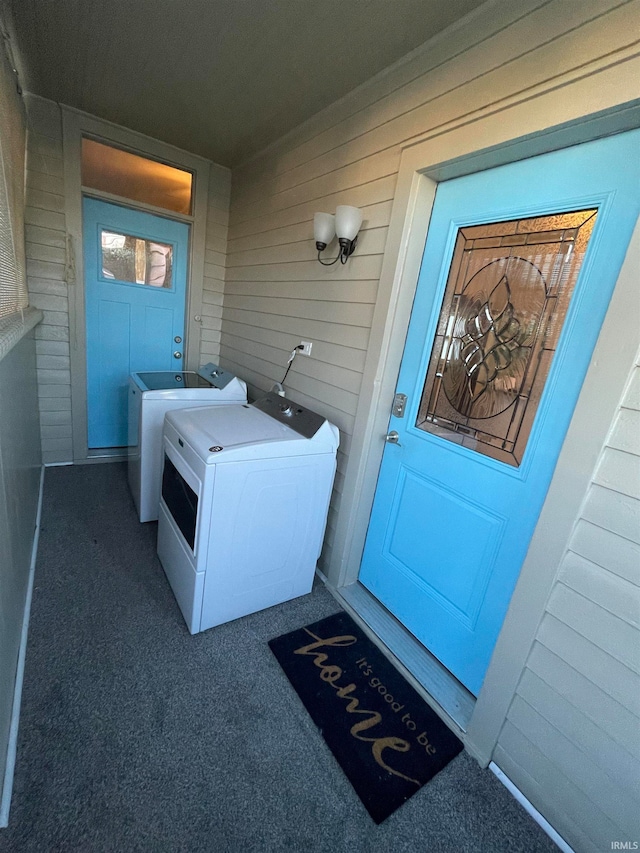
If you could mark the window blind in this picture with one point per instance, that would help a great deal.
(13, 282)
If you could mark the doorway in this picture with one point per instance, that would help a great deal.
(447, 536)
(143, 182)
(135, 289)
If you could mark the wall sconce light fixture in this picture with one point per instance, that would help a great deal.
(345, 224)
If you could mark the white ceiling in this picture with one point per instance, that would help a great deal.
(220, 78)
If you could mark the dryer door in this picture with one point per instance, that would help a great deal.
(181, 501)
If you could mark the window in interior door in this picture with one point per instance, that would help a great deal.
(135, 260)
(505, 302)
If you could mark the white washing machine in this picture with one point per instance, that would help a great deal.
(153, 394)
(245, 495)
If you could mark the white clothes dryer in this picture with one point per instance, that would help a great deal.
(245, 495)
(151, 395)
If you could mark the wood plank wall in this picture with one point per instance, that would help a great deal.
(574, 724)
(276, 293)
(45, 232)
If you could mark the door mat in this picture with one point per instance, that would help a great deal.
(385, 737)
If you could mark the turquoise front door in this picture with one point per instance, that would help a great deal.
(135, 290)
(519, 267)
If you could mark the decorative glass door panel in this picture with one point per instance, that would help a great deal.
(505, 302)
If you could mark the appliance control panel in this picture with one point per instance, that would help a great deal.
(215, 375)
(303, 421)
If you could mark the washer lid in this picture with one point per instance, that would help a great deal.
(234, 432)
(157, 380)
(186, 385)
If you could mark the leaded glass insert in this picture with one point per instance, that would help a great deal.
(505, 302)
(135, 260)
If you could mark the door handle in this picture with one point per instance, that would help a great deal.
(392, 438)
(177, 354)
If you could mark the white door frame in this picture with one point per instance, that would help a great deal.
(75, 125)
(517, 132)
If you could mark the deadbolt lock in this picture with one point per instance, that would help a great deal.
(399, 403)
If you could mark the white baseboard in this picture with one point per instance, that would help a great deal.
(7, 787)
(535, 814)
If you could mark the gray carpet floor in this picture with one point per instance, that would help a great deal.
(136, 736)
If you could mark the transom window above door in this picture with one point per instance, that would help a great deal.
(135, 260)
(117, 172)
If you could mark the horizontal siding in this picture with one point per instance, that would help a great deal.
(359, 268)
(371, 241)
(588, 659)
(617, 721)
(276, 293)
(330, 333)
(45, 233)
(217, 231)
(544, 781)
(375, 194)
(44, 219)
(565, 752)
(313, 188)
(375, 216)
(625, 431)
(617, 596)
(349, 313)
(620, 556)
(620, 472)
(613, 510)
(597, 624)
(590, 738)
(576, 713)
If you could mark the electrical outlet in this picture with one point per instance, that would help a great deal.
(305, 347)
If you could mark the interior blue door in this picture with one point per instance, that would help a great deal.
(135, 280)
(518, 269)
